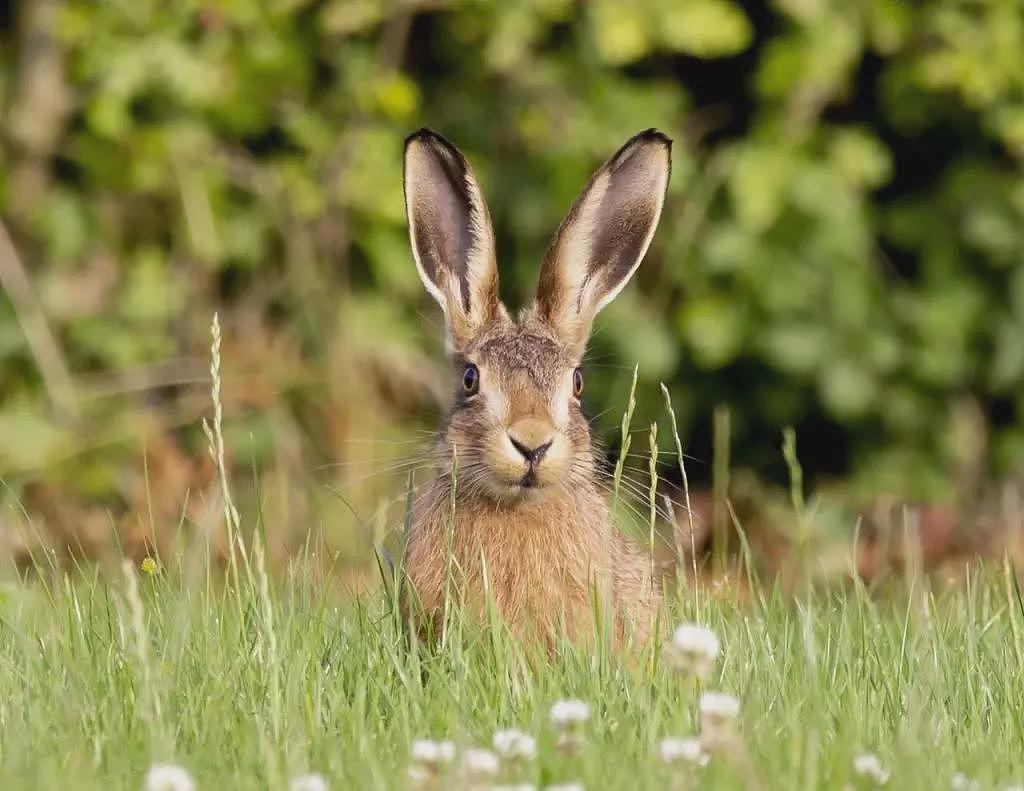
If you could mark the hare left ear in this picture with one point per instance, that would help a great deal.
(604, 237)
(451, 235)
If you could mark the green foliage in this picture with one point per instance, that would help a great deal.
(842, 244)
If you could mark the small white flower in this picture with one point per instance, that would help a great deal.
(513, 745)
(719, 706)
(569, 713)
(870, 766)
(431, 753)
(480, 764)
(718, 712)
(421, 776)
(961, 782)
(683, 751)
(311, 782)
(694, 650)
(167, 777)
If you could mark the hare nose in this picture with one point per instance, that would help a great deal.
(532, 455)
(532, 438)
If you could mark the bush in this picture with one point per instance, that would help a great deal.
(841, 250)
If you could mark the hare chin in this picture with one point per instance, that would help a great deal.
(506, 491)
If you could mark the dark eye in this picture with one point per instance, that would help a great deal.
(470, 379)
(577, 383)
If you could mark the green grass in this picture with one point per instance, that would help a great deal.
(249, 678)
(247, 686)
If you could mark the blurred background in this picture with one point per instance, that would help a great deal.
(842, 252)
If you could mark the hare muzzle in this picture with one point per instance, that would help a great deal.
(532, 439)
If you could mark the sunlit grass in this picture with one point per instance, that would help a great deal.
(931, 682)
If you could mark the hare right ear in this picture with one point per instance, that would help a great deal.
(451, 235)
(603, 239)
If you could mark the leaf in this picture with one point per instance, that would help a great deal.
(713, 328)
(705, 28)
(620, 31)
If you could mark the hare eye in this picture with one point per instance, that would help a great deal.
(577, 383)
(470, 379)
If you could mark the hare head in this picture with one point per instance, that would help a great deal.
(516, 428)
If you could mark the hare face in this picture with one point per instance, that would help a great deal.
(517, 425)
(516, 430)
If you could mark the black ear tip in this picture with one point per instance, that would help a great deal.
(422, 135)
(439, 144)
(652, 135)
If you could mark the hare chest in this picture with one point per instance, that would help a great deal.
(537, 573)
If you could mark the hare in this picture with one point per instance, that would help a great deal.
(530, 528)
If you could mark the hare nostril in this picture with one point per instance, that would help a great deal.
(532, 455)
(524, 451)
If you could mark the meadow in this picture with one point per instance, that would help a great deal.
(246, 676)
(839, 263)
(249, 686)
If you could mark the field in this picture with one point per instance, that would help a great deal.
(205, 588)
(249, 676)
(249, 685)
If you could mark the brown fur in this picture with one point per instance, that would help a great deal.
(534, 536)
(545, 554)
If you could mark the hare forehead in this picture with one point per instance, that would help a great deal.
(517, 352)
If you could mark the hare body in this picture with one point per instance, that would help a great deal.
(516, 512)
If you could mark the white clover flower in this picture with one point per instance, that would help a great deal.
(310, 782)
(513, 745)
(420, 776)
(719, 706)
(683, 751)
(480, 764)
(718, 712)
(870, 766)
(961, 782)
(569, 713)
(693, 650)
(433, 754)
(167, 777)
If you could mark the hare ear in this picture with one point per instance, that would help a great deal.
(603, 239)
(451, 235)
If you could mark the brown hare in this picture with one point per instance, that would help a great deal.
(530, 528)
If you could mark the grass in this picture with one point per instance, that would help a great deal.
(97, 682)
(251, 677)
